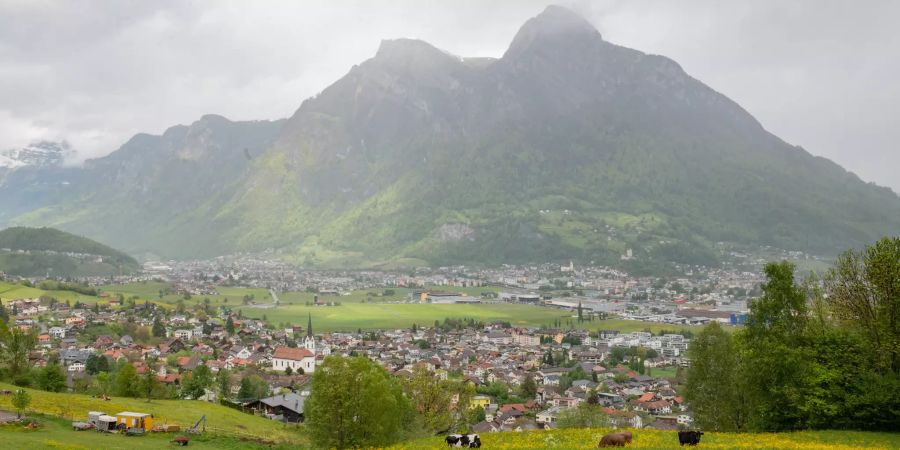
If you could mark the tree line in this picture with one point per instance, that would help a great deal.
(821, 353)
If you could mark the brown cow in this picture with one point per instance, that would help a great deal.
(615, 439)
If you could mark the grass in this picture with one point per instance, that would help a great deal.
(653, 439)
(220, 420)
(628, 326)
(9, 291)
(351, 316)
(664, 372)
(368, 316)
(57, 433)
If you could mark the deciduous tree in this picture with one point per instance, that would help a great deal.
(355, 403)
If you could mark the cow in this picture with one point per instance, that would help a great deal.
(689, 437)
(615, 439)
(453, 440)
(463, 440)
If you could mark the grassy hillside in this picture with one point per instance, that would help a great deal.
(652, 439)
(10, 291)
(39, 251)
(57, 433)
(219, 419)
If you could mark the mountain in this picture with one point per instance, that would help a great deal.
(566, 147)
(38, 154)
(154, 195)
(31, 252)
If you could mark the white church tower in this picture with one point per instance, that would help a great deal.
(310, 342)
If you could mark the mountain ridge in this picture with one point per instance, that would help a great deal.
(566, 147)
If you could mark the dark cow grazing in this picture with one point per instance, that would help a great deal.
(689, 437)
(463, 440)
(615, 439)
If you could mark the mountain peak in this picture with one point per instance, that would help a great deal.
(554, 23)
(38, 154)
(412, 53)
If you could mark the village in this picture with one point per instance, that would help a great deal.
(520, 378)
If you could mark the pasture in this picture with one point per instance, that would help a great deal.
(587, 438)
(57, 433)
(220, 420)
(10, 291)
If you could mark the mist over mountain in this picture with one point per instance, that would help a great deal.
(38, 154)
(566, 147)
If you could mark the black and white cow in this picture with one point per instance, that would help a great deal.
(463, 440)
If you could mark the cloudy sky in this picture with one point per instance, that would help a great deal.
(821, 74)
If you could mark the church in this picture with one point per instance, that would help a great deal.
(300, 358)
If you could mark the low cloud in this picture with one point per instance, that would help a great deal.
(820, 74)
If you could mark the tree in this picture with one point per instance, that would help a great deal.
(476, 415)
(200, 379)
(355, 403)
(430, 400)
(51, 378)
(288, 370)
(126, 384)
(20, 400)
(95, 364)
(150, 385)
(586, 415)
(580, 312)
(714, 386)
(158, 329)
(229, 325)
(252, 387)
(103, 384)
(864, 295)
(774, 339)
(17, 344)
(246, 391)
(528, 388)
(223, 381)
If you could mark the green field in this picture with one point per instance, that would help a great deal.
(9, 291)
(150, 290)
(57, 433)
(653, 439)
(352, 316)
(220, 420)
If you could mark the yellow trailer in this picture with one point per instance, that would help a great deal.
(131, 420)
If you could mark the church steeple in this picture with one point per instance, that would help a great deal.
(310, 342)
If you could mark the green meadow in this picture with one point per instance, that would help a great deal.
(220, 420)
(587, 438)
(10, 291)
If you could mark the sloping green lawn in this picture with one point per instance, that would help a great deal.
(57, 433)
(220, 420)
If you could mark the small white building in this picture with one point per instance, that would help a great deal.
(57, 332)
(185, 334)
